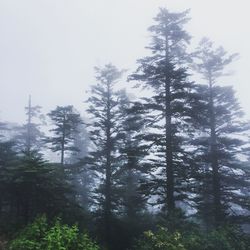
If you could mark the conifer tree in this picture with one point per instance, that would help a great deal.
(30, 137)
(81, 176)
(105, 127)
(8, 161)
(168, 109)
(132, 151)
(220, 141)
(66, 122)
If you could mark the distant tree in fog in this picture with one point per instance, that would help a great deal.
(66, 122)
(29, 136)
(220, 141)
(104, 129)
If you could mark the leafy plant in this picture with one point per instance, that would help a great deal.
(225, 238)
(41, 236)
(161, 240)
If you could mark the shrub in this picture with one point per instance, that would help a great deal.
(226, 238)
(161, 240)
(41, 236)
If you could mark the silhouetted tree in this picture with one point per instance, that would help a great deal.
(66, 122)
(81, 176)
(29, 136)
(134, 169)
(105, 127)
(220, 142)
(169, 111)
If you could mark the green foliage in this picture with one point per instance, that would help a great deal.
(161, 240)
(226, 238)
(31, 238)
(41, 236)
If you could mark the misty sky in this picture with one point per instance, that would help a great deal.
(48, 48)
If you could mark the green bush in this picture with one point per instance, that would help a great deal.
(226, 238)
(41, 236)
(161, 240)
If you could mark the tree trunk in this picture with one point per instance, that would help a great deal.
(214, 159)
(168, 135)
(29, 128)
(107, 208)
(169, 153)
(63, 142)
(130, 190)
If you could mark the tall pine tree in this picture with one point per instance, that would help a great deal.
(220, 139)
(104, 129)
(168, 109)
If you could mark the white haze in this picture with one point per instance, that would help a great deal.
(48, 48)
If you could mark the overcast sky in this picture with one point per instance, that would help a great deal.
(48, 48)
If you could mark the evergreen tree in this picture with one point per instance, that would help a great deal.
(169, 111)
(8, 160)
(132, 176)
(81, 176)
(29, 136)
(132, 155)
(66, 122)
(30, 186)
(220, 140)
(104, 108)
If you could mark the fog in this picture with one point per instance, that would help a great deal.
(164, 161)
(48, 48)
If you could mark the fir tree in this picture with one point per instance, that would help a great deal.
(66, 122)
(29, 137)
(104, 129)
(169, 111)
(132, 155)
(220, 143)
